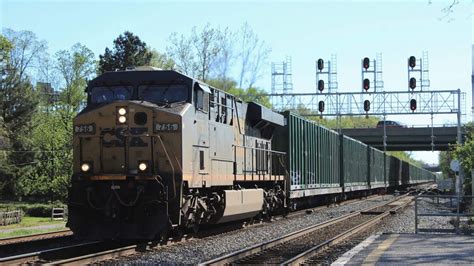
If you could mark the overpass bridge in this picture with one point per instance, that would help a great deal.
(406, 139)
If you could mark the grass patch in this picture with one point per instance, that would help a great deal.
(26, 231)
(31, 222)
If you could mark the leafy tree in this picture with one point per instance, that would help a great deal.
(253, 54)
(251, 95)
(161, 61)
(181, 52)
(128, 51)
(196, 54)
(18, 104)
(247, 95)
(465, 154)
(76, 67)
(224, 61)
(53, 134)
(26, 49)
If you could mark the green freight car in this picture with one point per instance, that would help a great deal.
(313, 156)
(319, 161)
(376, 168)
(355, 166)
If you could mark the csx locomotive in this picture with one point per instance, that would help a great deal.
(156, 151)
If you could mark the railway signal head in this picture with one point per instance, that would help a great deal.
(320, 64)
(366, 84)
(412, 61)
(366, 105)
(412, 83)
(321, 85)
(321, 106)
(366, 63)
(413, 105)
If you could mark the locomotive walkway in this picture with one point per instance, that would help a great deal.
(410, 249)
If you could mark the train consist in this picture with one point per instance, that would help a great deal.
(157, 151)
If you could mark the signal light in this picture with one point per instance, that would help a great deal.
(320, 64)
(366, 105)
(321, 106)
(321, 85)
(412, 61)
(413, 105)
(366, 84)
(366, 63)
(412, 83)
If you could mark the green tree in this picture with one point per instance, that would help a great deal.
(198, 53)
(162, 61)
(52, 136)
(128, 51)
(465, 154)
(251, 95)
(247, 95)
(18, 104)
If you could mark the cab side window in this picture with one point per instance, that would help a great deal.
(201, 99)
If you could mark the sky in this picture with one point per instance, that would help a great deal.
(304, 30)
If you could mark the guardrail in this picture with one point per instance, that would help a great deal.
(10, 217)
(444, 206)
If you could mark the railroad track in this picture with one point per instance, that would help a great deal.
(90, 252)
(57, 255)
(302, 245)
(34, 237)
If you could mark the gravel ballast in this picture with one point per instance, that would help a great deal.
(199, 250)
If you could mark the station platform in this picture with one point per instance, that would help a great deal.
(409, 249)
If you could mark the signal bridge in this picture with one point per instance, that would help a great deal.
(383, 103)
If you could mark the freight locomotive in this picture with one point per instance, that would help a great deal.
(156, 151)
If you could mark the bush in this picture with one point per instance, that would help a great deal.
(32, 209)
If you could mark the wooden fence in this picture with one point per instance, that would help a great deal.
(10, 217)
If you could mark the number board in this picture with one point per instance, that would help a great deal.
(166, 127)
(84, 129)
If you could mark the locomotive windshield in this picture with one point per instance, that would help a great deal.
(109, 94)
(162, 94)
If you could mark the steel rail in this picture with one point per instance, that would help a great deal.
(239, 254)
(43, 254)
(103, 255)
(302, 257)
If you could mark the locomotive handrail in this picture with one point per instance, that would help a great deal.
(259, 149)
(171, 164)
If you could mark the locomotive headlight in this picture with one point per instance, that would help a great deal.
(122, 119)
(85, 167)
(142, 167)
(122, 111)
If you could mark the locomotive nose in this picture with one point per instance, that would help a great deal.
(120, 143)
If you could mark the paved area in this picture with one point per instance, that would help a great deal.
(409, 249)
